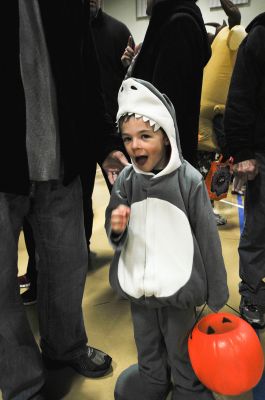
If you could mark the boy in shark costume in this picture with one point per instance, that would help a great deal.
(168, 257)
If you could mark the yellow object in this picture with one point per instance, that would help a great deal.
(216, 81)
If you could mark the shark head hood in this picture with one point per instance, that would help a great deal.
(142, 99)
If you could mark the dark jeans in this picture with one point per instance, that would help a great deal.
(55, 213)
(252, 242)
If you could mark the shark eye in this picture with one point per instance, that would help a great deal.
(122, 89)
(134, 88)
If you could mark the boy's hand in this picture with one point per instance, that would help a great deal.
(119, 218)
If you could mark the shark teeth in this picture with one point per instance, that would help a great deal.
(152, 123)
(156, 127)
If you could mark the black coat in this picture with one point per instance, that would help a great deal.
(244, 121)
(111, 37)
(77, 81)
(173, 54)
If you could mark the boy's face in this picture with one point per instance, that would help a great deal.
(146, 148)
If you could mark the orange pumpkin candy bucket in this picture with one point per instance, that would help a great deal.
(226, 354)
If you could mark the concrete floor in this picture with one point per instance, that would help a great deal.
(107, 316)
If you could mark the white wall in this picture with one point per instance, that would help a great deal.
(125, 10)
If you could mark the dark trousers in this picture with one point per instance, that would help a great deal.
(31, 249)
(55, 213)
(252, 242)
(88, 182)
(161, 337)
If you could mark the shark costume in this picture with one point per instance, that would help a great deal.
(167, 261)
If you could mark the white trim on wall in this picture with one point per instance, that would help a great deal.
(141, 8)
(216, 3)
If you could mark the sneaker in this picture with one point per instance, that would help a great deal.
(252, 313)
(219, 219)
(29, 297)
(239, 192)
(23, 281)
(93, 363)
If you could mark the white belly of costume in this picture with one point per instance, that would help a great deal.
(157, 258)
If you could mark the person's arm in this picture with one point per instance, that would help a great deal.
(105, 136)
(205, 231)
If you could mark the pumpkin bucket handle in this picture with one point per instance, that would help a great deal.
(197, 319)
(200, 313)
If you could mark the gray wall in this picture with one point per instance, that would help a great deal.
(125, 10)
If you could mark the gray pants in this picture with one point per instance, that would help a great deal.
(161, 338)
(56, 215)
(252, 242)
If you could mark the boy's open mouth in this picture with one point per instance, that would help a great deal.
(141, 160)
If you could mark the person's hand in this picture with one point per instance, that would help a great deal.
(119, 218)
(244, 171)
(113, 164)
(128, 54)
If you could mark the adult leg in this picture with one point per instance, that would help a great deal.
(58, 225)
(176, 325)
(57, 221)
(109, 185)
(252, 250)
(31, 249)
(252, 242)
(30, 296)
(21, 371)
(87, 182)
(150, 379)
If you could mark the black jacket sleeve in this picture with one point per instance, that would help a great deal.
(105, 135)
(242, 121)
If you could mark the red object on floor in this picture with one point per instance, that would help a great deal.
(226, 354)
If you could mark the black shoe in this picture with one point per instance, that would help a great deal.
(29, 297)
(23, 281)
(92, 364)
(252, 313)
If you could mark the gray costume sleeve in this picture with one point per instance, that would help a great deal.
(206, 233)
(118, 196)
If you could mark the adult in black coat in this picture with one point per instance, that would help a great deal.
(110, 36)
(48, 70)
(172, 57)
(244, 126)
